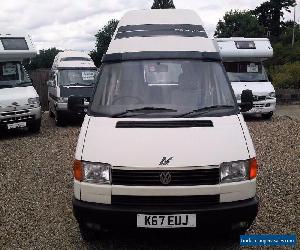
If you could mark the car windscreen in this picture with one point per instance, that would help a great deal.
(180, 85)
(12, 74)
(246, 72)
(77, 77)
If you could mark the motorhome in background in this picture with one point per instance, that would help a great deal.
(243, 60)
(19, 101)
(72, 73)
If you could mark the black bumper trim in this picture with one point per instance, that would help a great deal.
(125, 216)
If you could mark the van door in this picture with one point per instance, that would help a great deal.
(52, 91)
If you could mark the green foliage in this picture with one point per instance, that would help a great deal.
(43, 60)
(286, 76)
(239, 24)
(103, 38)
(163, 4)
(270, 13)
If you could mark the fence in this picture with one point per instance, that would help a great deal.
(41, 76)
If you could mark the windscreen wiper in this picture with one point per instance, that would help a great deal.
(204, 110)
(3, 86)
(144, 110)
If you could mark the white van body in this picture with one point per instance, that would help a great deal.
(155, 167)
(72, 73)
(19, 101)
(243, 59)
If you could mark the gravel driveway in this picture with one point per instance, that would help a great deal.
(36, 191)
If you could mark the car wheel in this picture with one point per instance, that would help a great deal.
(59, 119)
(35, 126)
(267, 116)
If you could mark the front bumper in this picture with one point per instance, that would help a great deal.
(262, 107)
(63, 106)
(116, 216)
(26, 115)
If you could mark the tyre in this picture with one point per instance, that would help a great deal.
(59, 119)
(35, 126)
(51, 114)
(267, 116)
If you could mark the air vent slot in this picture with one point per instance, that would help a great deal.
(165, 124)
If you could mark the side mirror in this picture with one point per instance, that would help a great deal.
(76, 104)
(50, 83)
(246, 100)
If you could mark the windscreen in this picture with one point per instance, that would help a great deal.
(181, 85)
(12, 74)
(77, 77)
(14, 44)
(246, 72)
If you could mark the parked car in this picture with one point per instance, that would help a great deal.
(164, 144)
(19, 101)
(243, 60)
(72, 73)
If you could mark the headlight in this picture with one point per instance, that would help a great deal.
(238, 97)
(234, 171)
(62, 99)
(35, 100)
(97, 173)
(272, 95)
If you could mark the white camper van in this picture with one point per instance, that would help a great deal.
(73, 73)
(243, 60)
(164, 144)
(19, 101)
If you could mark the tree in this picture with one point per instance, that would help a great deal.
(237, 23)
(103, 38)
(270, 13)
(163, 4)
(43, 60)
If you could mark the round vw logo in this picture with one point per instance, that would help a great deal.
(165, 178)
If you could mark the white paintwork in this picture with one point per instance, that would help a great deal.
(229, 51)
(58, 63)
(162, 43)
(143, 148)
(16, 55)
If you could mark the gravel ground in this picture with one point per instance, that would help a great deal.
(36, 191)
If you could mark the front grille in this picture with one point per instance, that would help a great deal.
(178, 177)
(259, 98)
(13, 113)
(185, 201)
(258, 105)
(17, 119)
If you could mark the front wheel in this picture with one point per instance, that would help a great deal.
(35, 126)
(267, 116)
(59, 119)
(87, 234)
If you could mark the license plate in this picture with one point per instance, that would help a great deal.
(16, 125)
(166, 221)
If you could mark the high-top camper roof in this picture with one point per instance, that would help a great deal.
(240, 48)
(72, 59)
(154, 32)
(16, 47)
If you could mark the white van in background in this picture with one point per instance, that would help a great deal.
(19, 101)
(164, 145)
(72, 73)
(243, 60)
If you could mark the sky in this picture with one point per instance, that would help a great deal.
(72, 24)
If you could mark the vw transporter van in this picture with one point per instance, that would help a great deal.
(19, 101)
(164, 144)
(73, 73)
(243, 60)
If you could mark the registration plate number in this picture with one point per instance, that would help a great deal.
(166, 221)
(16, 125)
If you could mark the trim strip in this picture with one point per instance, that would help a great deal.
(150, 30)
(165, 124)
(150, 55)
